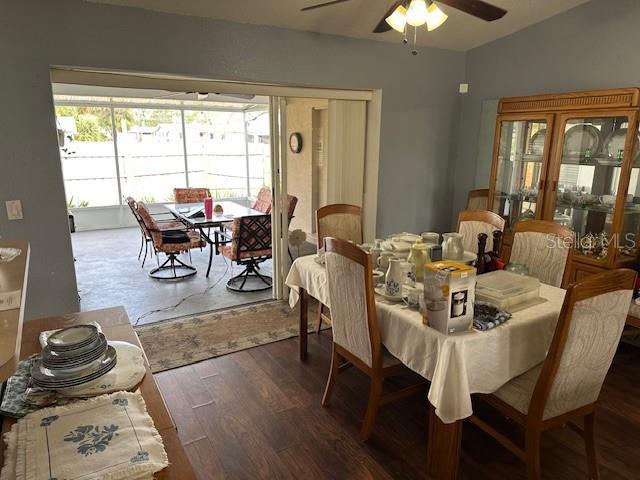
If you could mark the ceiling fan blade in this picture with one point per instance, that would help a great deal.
(320, 5)
(477, 8)
(383, 26)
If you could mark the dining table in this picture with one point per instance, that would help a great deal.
(457, 365)
(193, 217)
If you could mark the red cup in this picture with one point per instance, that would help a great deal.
(208, 207)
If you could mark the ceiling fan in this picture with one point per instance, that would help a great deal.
(419, 12)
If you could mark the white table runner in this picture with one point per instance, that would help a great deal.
(457, 365)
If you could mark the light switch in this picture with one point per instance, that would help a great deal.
(464, 88)
(14, 209)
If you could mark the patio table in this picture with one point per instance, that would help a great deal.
(187, 213)
(457, 365)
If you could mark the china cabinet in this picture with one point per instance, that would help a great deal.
(573, 159)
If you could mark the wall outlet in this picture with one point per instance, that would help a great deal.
(464, 88)
(14, 209)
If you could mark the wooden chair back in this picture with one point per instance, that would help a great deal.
(473, 222)
(339, 220)
(545, 248)
(478, 199)
(584, 343)
(353, 308)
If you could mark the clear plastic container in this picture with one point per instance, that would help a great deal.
(508, 291)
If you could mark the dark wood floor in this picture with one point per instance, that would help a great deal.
(257, 414)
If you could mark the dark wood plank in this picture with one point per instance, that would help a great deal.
(264, 420)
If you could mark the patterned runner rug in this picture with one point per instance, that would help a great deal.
(182, 341)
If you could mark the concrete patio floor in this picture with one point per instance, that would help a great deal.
(109, 274)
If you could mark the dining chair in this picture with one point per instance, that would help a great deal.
(263, 201)
(478, 199)
(473, 222)
(356, 335)
(191, 194)
(146, 239)
(566, 386)
(339, 220)
(249, 245)
(171, 242)
(544, 247)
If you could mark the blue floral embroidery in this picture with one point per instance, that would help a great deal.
(121, 401)
(92, 439)
(45, 422)
(142, 456)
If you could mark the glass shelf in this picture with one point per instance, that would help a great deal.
(520, 166)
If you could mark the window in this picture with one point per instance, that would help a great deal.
(216, 152)
(159, 145)
(88, 158)
(150, 153)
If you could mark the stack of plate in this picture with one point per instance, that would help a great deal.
(73, 356)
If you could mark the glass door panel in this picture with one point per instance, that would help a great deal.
(587, 185)
(630, 235)
(519, 169)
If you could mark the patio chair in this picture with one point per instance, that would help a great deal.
(249, 246)
(263, 200)
(191, 194)
(172, 243)
(145, 234)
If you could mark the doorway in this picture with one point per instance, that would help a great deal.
(330, 104)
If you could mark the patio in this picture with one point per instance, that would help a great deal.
(109, 274)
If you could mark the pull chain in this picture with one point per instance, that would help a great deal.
(415, 37)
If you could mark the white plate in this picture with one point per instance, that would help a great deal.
(128, 373)
(73, 337)
(8, 254)
(380, 290)
(41, 374)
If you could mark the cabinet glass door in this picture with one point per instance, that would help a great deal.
(521, 152)
(627, 244)
(587, 187)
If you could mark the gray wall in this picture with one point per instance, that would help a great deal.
(418, 118)
(592, 46)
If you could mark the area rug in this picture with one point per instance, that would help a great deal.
(182, 341)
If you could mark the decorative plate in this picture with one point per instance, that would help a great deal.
(581, 138)
(127, 374)
(536, 143)
(615, 142)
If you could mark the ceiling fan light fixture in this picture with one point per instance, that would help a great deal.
(435, 17)
(398, 19)
(417, 13)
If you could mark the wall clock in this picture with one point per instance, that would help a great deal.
(295, 142)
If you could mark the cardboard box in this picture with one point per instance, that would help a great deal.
(449, 293)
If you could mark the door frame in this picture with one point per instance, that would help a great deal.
(153, 80)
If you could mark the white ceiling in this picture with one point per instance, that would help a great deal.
(357, 18)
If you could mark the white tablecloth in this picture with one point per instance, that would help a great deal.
(457, 365)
